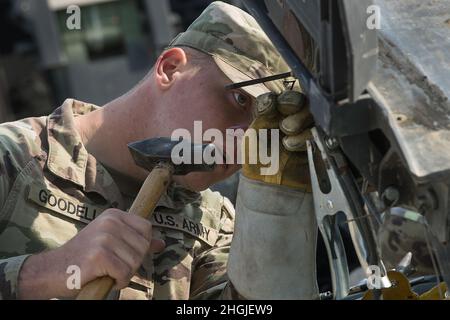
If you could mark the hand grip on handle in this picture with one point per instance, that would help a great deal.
(151, 191)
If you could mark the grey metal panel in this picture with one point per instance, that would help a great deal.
(420, 29)
(103, 80)
(310, 21)
(160, 22)
(347, 47)
(362, 50)
(5, 109)
(413, 83)
(62, 4)
(45, 32)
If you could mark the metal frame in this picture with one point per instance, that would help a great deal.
(365, 120)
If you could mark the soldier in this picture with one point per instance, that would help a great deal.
(66, 180)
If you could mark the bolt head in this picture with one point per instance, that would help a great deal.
(331, 143)
(330, 205)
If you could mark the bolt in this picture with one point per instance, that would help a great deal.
(330, 205)
(391, 194)
(331, 143)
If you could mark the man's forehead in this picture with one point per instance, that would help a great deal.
(257, 86)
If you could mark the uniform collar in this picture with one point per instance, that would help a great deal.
(68, 159)
(67, 156)
(176, 197)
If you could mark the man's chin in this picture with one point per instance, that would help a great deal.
(191, 183)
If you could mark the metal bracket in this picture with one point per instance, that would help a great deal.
(327, 204)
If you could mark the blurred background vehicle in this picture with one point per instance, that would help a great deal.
(44, 58)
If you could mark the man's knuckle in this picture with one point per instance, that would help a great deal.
(115, 265)
(104, 240)
(96, 255)
(125, 273)
(108, 223)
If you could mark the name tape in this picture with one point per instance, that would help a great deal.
(182, 223)
(57, 201)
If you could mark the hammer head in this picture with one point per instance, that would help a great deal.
(150, 152)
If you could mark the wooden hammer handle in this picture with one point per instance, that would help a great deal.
(153, 188)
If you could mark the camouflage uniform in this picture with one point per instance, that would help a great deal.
(51, 187)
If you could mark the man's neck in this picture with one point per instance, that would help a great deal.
(107, 131)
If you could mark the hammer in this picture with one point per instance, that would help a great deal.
(155, 155)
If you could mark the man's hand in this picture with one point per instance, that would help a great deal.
(289, 113)
(114, 245)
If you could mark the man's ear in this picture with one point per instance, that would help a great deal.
(169, 63)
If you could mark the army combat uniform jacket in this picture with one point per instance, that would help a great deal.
(51, 187)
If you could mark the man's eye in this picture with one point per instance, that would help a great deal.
(241, 99)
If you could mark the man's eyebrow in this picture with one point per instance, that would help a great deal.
(257, 81)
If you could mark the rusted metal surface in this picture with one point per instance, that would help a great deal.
(412, 82)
